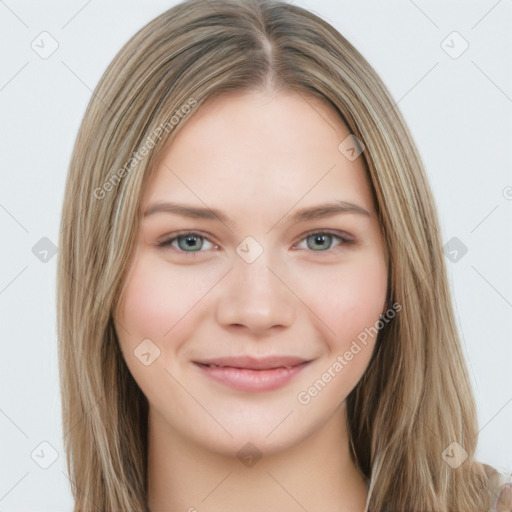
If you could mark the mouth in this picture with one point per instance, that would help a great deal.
(253, 374)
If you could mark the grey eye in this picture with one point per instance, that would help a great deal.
(319, 241)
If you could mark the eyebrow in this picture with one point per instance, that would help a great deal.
(304, 214)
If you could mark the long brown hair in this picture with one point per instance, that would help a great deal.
(414, 400)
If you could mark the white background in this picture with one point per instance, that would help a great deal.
(459, 111)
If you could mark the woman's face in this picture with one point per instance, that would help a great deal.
(259, 274)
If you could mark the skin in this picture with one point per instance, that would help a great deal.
(258, 157)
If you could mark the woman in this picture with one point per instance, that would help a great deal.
(305, 355)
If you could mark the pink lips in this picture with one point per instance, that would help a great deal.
(253, 374)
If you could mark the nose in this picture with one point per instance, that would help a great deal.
(256, 297)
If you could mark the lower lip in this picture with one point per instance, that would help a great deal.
(244, 379)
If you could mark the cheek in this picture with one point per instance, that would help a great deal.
(347, 305)
(158, 299)
(147, 307)
(157, 304)
(349, 302)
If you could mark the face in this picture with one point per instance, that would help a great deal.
(258, 273)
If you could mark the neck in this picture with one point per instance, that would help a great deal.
(316, 475)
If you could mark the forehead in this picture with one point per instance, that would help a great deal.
(260, 151)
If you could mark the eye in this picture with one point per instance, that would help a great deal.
(187, 242)
(322, 241)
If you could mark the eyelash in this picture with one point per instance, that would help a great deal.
(344, 240)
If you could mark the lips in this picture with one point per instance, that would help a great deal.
(254, 363)
(247, 373)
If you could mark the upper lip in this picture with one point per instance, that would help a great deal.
(254, 363)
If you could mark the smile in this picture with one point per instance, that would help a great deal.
(252, 374)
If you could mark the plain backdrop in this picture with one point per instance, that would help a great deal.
(447, 64)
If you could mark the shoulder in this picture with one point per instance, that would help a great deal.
(501, 487)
